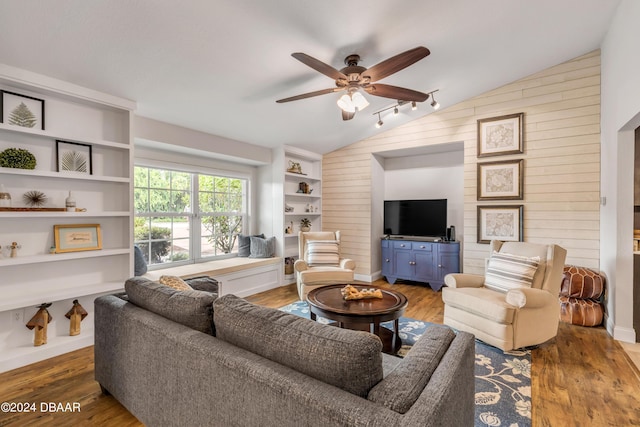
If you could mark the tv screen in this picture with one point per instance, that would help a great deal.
(426, 218)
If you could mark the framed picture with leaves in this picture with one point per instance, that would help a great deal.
(74, 157)
(21, 110)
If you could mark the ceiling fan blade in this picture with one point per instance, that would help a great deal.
(310, 94)
(395, 63)
(347, 115)
(320, 66)
(395, 92)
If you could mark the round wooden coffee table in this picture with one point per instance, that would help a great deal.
(362, 315)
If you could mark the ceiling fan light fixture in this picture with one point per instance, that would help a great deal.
(346, 103)
(359, 101)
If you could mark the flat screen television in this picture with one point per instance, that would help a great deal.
(420, 218)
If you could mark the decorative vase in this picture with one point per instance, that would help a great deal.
(305, 229)
(70, 203)
(5, 198)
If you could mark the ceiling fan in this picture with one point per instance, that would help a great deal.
(353, 77)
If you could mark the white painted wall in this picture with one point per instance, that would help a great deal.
(430, 176)
(620, 115)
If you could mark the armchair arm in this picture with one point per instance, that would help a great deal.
(464, 280)
(300, 265)
(348, 264)
(530, 298)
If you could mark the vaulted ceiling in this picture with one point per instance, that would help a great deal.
(218, 66)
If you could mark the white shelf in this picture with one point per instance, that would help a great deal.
(302, 214)
(303, 195)
(45, 134)
(37, 259)
(62, 214)
(56, 345)
(14, 296)
(290, 236)
(63, 175)
(298, 177)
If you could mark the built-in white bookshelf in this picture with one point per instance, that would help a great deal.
(302, 195)
(103, 196)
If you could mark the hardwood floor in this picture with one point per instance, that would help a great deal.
(581, 378)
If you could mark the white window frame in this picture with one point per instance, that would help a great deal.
(194, 214)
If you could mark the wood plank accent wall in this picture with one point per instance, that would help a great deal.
(561, 107)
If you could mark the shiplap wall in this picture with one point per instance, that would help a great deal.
(561, 107)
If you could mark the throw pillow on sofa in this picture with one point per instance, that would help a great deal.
(190, 308)
(350, 360)
(174, 282)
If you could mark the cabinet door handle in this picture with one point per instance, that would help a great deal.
(412, 263)
(439, 265)
(402, 245)
(386, 260)
(422, 246)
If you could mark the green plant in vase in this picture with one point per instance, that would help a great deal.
(18, 158)
(305, 224)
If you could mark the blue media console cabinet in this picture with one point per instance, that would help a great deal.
(420, 261)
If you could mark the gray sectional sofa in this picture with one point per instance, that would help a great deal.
(156, 353)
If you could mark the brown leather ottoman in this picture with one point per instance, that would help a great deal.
(580, 295)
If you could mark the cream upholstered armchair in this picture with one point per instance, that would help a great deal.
(515, 304)
(319, 263)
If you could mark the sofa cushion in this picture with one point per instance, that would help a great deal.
(174, 282)
(401, 388)
(244, 244)
(506, 271)
(262, 248)
(322, 253)
(350, 360)
(190, 308)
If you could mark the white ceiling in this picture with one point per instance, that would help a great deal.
(219, 65)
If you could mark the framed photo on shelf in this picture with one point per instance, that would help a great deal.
(501, 180)
(74, 157)
(500, 135)
(21, 110)
(500, 223)
(77, 237)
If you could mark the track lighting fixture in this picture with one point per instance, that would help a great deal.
(400, 103)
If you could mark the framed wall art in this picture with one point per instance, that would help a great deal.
(500, 135)
(74, 157)
(77, 237)
(501, 180)
(21, 110)
(500, 223)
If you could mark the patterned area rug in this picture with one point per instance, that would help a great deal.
(503, 380)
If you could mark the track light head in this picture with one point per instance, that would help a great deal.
(414, 105)
(395, 111)
(379, 123)
(434, 103)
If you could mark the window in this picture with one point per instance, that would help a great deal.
(183, 217)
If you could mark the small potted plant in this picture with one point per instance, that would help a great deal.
(305, 224)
